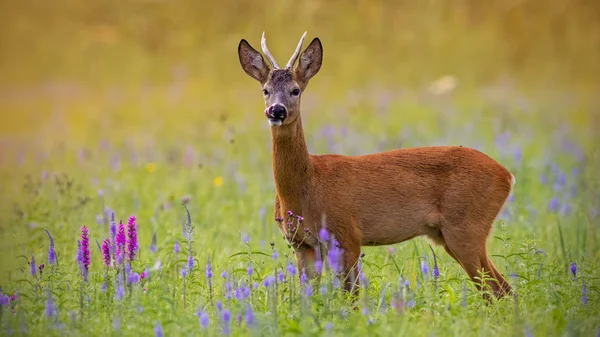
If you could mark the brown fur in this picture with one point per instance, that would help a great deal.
(450, 194)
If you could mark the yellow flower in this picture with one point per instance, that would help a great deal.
(218, 181)
(150, 167)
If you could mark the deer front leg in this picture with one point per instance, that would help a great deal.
(307, 257)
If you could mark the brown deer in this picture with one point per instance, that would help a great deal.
(450, 194)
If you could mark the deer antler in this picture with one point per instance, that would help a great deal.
(263, 44)
(296, 53)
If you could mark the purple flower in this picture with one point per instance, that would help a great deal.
(269, 280)
(85, 251)
(424, 268)
(134, 278)
(190, 261)
(209, 273)
(106, 252)
(79, 256)
(153, 244)
(518, 154)
(334, 257)
(275, 255)
(113, 233)
(158, 330)
(50, 308)
(120, 240)
(584, 293)
(32, 266)
(51, 251)
(554, 204)
(249, 270)
(324, 234)
(309, 290)
(328, 326)
(246, 238)
(145, 274)
(120, 292)
(224, 274)
(184, 272)
(281, 276)
(323, 290)
(319, 266)
(203, 318)
(132, 238)
(565, 209)
(176, 247)
(4, 300)
(303, 277)
(291, 268)
(561, 180)
(573, 269)
(249, 316)
(219, 306)
(226, 315)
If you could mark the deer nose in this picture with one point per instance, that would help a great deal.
(276, 111)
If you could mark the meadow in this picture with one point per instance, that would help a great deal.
(142, 112)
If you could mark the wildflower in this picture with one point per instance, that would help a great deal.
(209, 273)
(184, 272)
(224, 274)
(203, 318)
(424, 268)
(309, 290)
(291, 268)
(132, 239)
(281, 276)
(41, 268)
(79, 256)
(319, 266)
(190, 261)
(269, 280)
(226, 315)
(561, 180)
(249, 271)
(328, 326)
(145, 274)
(120, 240)
(106, 252)
(554, 204)
(4, 300)
(219, 306)
(246, 238)
(176, 247)
(411, 303)
(275, 255)
(584, 293)
(51, 251)
(13, 297)
(153, 244)
(50, 308)
(334, 257)
(120, 292)
(518, 155)
(134, 278)
(32, 267)
(436, 270)
(565, 209)
(158, 330)
(249, 315)
(303, 277)
(323, 290)
(573, 269)
(323, 234)
(218, 181)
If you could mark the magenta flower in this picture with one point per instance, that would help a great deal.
(106, 252)
(132, 239)
(85, 252)
(120, 242)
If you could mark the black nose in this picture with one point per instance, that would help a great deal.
(278, 111)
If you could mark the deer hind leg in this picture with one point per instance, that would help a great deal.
(469, 250)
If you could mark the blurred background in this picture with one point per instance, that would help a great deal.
(144, 102)
(154, 66)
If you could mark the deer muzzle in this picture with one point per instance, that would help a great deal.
(276, 114)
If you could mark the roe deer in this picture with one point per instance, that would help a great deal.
(451, 194)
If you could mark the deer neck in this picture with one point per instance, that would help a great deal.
(292, 166)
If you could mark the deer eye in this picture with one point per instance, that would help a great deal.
(295, 92)
(265, 92)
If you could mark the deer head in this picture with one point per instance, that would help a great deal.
(282, 88)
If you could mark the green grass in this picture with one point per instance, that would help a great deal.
(133, 109)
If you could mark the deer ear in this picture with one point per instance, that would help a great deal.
(252, 62)
(310, 60)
